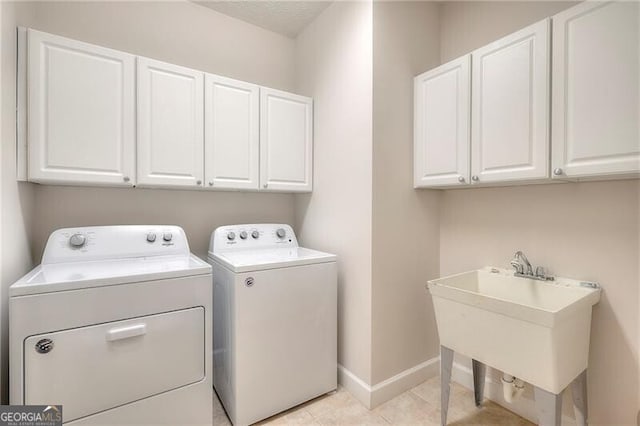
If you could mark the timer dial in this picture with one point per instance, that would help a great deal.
(78, 240)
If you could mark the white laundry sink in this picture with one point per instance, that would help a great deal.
(535, 330)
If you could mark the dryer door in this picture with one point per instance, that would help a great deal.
(95, 368)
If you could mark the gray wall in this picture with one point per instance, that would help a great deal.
(467, 25)
(405, 221)
(334, 65)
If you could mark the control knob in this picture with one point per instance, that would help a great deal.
(167, 236)
(280, 232)
(77, 240)
(243, 235)
(231, 236)
(151, 237)
(255, 235)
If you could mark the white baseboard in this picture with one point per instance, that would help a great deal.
(524, 406)
(355, 386)
(372, 396)
(401, 382)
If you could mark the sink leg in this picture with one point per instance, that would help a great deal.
(479, 370)
(446, 364)
(579, 391)
(549, 407)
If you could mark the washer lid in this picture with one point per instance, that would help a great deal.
(258, 260)
(47, 278)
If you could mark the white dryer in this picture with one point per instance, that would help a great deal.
(275, 320)
(115, 325)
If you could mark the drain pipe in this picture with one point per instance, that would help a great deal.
(512, 388)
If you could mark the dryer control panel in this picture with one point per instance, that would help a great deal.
(252, 236)
(114, 242)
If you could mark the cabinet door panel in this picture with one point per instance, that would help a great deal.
(596, 90)
(170, 124)
(231, 133)
(81, 112)
(286, 141)
(441, 125)
(510, 107)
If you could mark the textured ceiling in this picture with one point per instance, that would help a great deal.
(285, 17)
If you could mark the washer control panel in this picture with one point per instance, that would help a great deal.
(252, 236)
(114, 242)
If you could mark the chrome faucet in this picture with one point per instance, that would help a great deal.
(524, 269)
(519, 262)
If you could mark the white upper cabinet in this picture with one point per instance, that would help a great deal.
(97, 116)
(81, 112)
(232, 125)
(286, 141)
(596, 91)
(510, 107)
(441, 125)
(170, 125)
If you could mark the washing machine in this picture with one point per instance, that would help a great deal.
(275, 320)
(114, 325)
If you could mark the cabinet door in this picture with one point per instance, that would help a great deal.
(81, 112)
(170, 125)
(441, 125)
(231, 133)
(596, 91)
(286, 141)
(510, 107)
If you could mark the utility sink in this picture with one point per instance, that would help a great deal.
(535, 330)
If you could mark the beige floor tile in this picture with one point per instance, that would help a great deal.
(462, 409)
(409, 409)
(328, 403)
(429, 390)
(419, 406)
(459, 403)
(462, 399)
(340, 408)
(490, 414)
(350, 414)
(295, 416)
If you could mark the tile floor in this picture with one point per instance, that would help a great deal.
(418, 406)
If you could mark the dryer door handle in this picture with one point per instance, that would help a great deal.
(126, 332)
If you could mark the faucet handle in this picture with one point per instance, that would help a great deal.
(522, 260)
(543, 274)
(517, 265)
